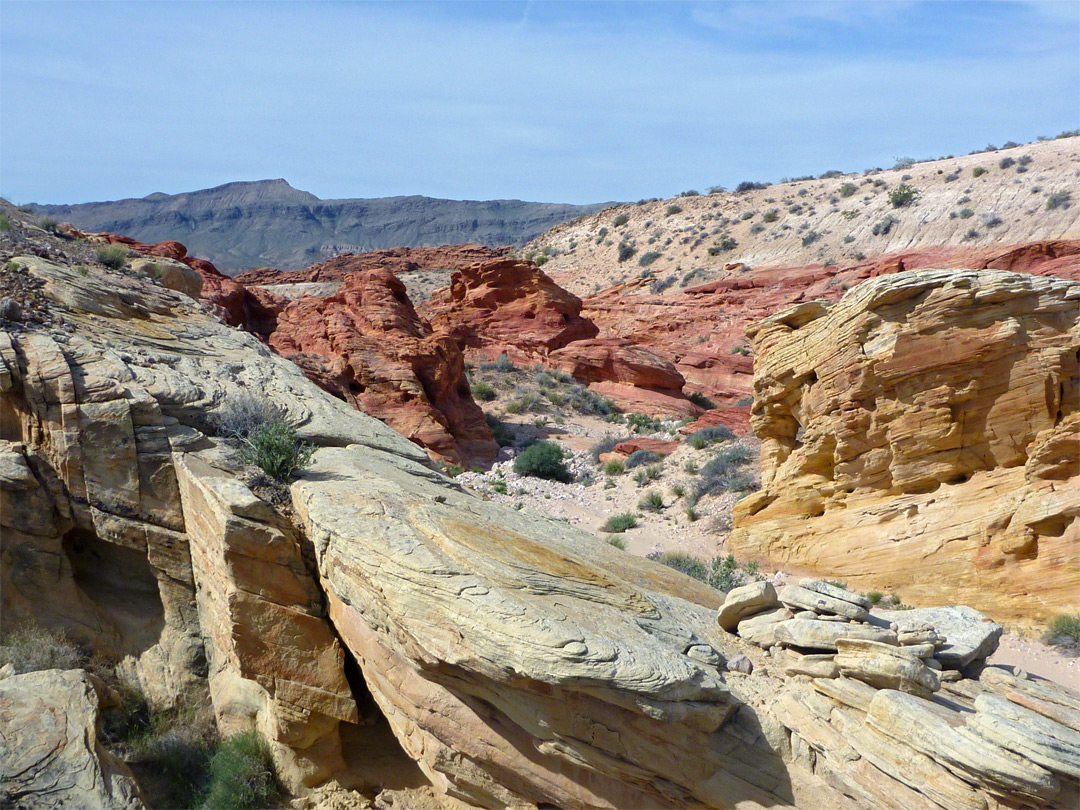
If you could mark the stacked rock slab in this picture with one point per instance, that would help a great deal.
(520, 661)
(922, 436)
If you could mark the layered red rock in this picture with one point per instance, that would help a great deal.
(735, 418)
(921, 436)
(701, 330)
(508, 305)
(397, 260)
(659, 446)
(368, 346)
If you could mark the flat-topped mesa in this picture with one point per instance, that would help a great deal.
(508, 305)
(367, 345)
(921, 435)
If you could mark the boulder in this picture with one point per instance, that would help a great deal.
(969, 635)
(843, 594)
(658, 446)
(795, 596)
(886, 666)
(818, 635)
(618, 361)
(819, 665)
(761, 628)
(902, 430)
(745, 601)
(50, 756)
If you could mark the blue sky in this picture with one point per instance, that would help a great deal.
(552, 101)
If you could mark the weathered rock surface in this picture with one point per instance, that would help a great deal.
(508, 305)
(796, 596)
(518, 660)
(906, 434)
(885, 666)
(50, 756)
(748, 600)
(968, 634)
(367, 345)
(811, 634)
(659, 446)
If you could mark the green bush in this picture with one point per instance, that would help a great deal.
(620, 220)
(48, 224)
(810, 238)
(1006, 162)
(745, 402)
(1059, 199)
(626, 251)
(1064, 626)
(884, 226)
(500, 487)
(713, 434)
(965, 213)
(641, 457)
(648, 474)
(31, 648)
(771, 215)
(651, 501)
(504, 364)
(619, 523)
(614, 467)
(903, 195)
(648, 258)
(582, 400)
(113, 256)
(504, 437)
(275, 448)
(483, 391)
(242, 775)
(678, 490)
(847, 190)
(875, 597)
(750, 185)
(528, 401)
(618, 541)
(642, 423)
(724, 574)
(543, 460)
(683, 563)
(5, 223)
(698, 442)
(672, 210)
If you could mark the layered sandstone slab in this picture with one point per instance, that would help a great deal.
(921, 435)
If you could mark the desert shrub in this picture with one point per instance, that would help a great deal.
(722, 473)
(483, 391)
(884, 226)
(504, 437)
(847, 190)
(978, 171)
(528, 401)
(810, 238)
(683, 563)
(678, 490)
(543, 460)
(904, 163)
(1064, 626)
(626, 251)
(31, 648)
(605, 445)
(875, 597)
(275, 448)
(242, 774)
(971, 234)
(745, 402)
(651, 501)
(1006, 162)
(504, 364)
(991, 220)
(903, 195)
(620, 220)
(1024, 160)
(648, 258)
(750, 185)
(771, 215)
(724, 574)
(582, 400)
(646, 475)
(616, 524)
(757, 228)
(5, 223)
(113, 256)
(965, 213)
(701, 400)
(499, 486)
(544, 379)
(641, 423)
(672, 210)
(714, 433)
(690, 467)
(614, 467)
(1059, 199)
(659, 286)
(698, 442)
(618, 541)
(453, 470)
(48, 224)
(642, 457)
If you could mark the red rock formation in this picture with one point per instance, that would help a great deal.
(734, 417)
(508, 305)
(367, 345)
(659, 446)
(702, 330)
(618, 361)
(397, 260)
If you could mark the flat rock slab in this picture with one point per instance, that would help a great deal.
(885, 666)
(795, 596)
(761, 629)
(827, 588)
(969, 635)
(817, 635)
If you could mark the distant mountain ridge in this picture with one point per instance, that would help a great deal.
(262, 223)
